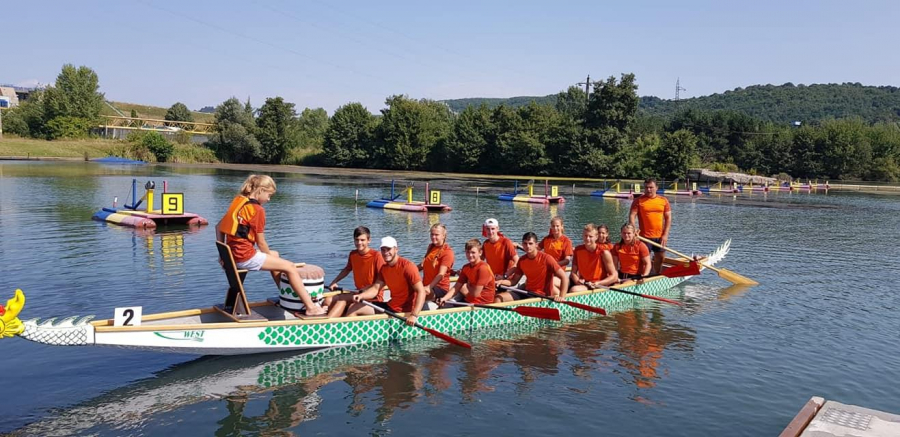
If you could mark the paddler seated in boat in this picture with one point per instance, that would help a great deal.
(603, 238)
(631, 255)
(364, 262)
(592, 266)
(476, 280)
(438, 263)
(541, 273)
(401, 276)
(499, 252)
(557, 244)
(243, 226)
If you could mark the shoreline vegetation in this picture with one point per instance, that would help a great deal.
(602, 134)
(26, 149)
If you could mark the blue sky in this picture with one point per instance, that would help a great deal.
(317, 53)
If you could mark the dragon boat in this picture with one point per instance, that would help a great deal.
(270, 327)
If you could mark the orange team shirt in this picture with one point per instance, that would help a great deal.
(590, 263)
(538, 272)
(630, 257)
(400, 279)
(606, 246)
(559, 248)
(651, 214)
(241, 248)
(436, 257)
(499, 254)
(364, 268)
(482, 275)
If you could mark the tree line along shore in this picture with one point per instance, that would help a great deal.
(601, 135)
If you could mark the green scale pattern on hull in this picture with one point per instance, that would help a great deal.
(383, 330)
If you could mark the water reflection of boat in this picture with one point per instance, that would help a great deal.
(208, 331)
(381, 379)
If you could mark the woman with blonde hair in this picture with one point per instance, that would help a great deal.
(592, 265)
(632, 257)
(243, 227)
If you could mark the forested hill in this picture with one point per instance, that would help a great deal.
(783, 103)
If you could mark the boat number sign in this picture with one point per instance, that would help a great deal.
(128, 316)
(173, 203)
(434, 197)
(554, 191)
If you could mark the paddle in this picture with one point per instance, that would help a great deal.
(581, 306)
(433, 332)
(725, 274)
(540, 313)
(646, 296)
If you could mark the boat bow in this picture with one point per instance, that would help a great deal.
(71, 331)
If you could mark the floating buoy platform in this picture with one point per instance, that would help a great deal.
(432, 202)
(550, 195)
(171, 211)
(615, 192)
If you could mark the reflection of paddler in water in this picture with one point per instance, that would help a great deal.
(288, 407)
(243, 227)
(365, 263)
(586, 341)
(399, 384)
(641, 339)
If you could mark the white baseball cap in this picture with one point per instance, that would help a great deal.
(388, 242)
(492, 222)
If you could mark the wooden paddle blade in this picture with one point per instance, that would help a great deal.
(540, 313)
(735, 278)
(445, 337)
(679, 270)
(597, 310)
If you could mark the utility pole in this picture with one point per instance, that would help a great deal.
(678, 89)
(587, 88)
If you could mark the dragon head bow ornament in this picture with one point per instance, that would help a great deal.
(10, 325)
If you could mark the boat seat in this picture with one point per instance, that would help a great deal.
(236, 306)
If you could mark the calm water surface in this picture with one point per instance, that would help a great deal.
(730, 362)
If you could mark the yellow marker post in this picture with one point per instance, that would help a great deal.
(530, 190)
(409, 198)
(149, 200)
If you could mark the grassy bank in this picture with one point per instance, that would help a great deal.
(159, 113)
(14, 147)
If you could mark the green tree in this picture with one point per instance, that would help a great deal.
(676, 154)
(75, 94)
(469, 138)
(178, 112)
(276, 129)
(572, 103)
(311, 127)
(408, 132)
(157, 144)
(234, 139)
(349, 137)
(845, 150)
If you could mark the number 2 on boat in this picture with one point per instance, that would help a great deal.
(128, 316)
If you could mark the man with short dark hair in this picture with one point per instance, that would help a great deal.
(540, 271)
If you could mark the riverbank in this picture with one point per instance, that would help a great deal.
(13, 148)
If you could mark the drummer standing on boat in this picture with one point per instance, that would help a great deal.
(499, 252)
(541, 273)
(401, 276)
(654, 218)
(364, 262)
